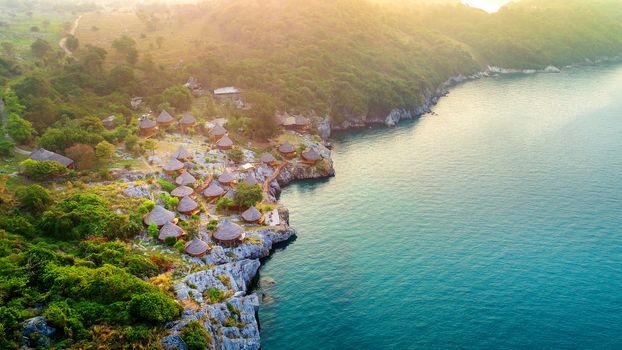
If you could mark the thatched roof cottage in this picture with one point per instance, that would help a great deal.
(182, 154)
(213, 191)
(172, 166)
(310, 156)
(164, 120)
(188, 121)
(170, 230)
(228, 233)
(225, 143)
(226, 178)
(182, 191)
(160, 216)
(196, 247)
(43, 154)
(188, 206)
(267, 158)
(147, 127)
(252, 215)
(217, 132)
(287, 150)
(185, 179)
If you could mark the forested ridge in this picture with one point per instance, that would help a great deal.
(65, 246)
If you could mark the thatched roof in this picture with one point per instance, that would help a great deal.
(187, 205)
(165, 117)
(287, 148)
(159, 215)
(170, 230)
(188, 119)
(182, 191)
(185, 179)
(147, 124)
(218, 130)
(267, 158)
(250, 179)
(311, 155)
(196, 247)
(302, 121)
(228, 231)
(224, 142)
(251, 215)
(182, 153)
(173, 165)
(230, 194)
(43, 154)
(226, 177)
(213, 190)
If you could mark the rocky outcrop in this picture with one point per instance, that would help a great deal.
(217, 294)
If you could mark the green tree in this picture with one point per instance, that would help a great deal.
(153, 307)
(247, 195)
(130, 142)
(19, 129)
(150, 145)
(179, 97)
(41, 170)
(82, 155)
(71, 42)
(40, 48)
(33, 198)
(104, 151)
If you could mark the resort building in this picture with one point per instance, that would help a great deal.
(252, 215)
(217, 132)
(225, 143)
(297, 123)
(226, 178)
(196, 247)
(188, 206)
(147, 127)
(182, 191)
(213, 191)
(287, 150)
(173, 166)
(250, 179)
(230, 93)
(228, 234)
(268, 159)
(165, 120)
(182, 154)
(185, 179)
(160, 216)
(187, 122)
(170, 230)
(310, 156)
(43, 154)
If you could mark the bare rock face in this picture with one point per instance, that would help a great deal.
(324, 128)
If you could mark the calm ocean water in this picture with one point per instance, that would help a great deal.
(496, 224)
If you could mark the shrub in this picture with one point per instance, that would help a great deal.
(33, 198)
(153, 230)
(6, 148)
(153, 307)
(170, 240)
(223, 204)
(165, 185)
(83, 156)
(215, 295)
(169, 201)
(195, 336)
(247, 195)
(41, 170)
(236, 155)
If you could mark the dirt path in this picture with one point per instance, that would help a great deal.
(63, 42)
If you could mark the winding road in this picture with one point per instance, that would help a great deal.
(63, 42)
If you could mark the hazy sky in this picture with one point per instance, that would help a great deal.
(488, 5)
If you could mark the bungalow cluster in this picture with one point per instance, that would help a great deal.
(200, 186)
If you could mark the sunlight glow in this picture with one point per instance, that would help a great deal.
(486, 5)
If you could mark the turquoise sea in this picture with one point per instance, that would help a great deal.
(494, 224)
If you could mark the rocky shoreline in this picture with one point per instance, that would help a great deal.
(218, 292)
(430, 97)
